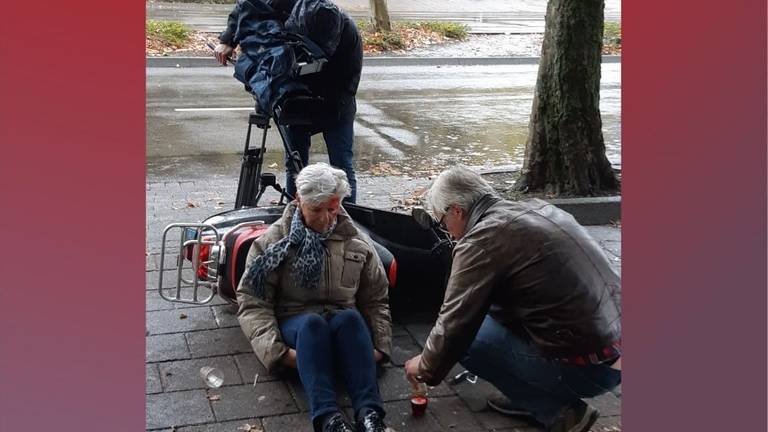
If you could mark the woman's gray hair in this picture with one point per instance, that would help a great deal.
(457, 186)
(319, 182)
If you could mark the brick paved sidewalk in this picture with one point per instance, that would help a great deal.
(181, 339)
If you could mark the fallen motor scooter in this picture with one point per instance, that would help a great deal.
(209, 257)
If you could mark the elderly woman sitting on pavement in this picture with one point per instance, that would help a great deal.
(315, 297)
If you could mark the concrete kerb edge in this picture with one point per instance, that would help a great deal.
(586, 210)
(190, 62)
(592, 210)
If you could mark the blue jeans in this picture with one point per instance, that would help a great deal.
(538, 385)
(343, 340)
(338, 140)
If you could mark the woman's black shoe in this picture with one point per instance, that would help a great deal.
(372, 421)
(336, 422)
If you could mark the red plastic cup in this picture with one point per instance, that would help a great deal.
(418, 405)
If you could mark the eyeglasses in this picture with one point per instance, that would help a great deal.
(441, 222)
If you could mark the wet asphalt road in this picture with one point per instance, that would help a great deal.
(409, 118)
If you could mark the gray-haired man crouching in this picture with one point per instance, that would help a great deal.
(532, 304)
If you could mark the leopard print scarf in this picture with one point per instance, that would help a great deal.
(308, 261)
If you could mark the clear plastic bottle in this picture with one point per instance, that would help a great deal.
(419, 399)
(212, 376)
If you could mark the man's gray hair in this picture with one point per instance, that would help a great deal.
(319, 182)
(458, 186)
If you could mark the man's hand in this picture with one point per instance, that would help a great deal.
(289, 358)
(412, 368)
(222, 52)
(377, 355)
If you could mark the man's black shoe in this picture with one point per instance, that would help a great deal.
(499, 402)
(371, 422)
(336, 422)
(579, 417)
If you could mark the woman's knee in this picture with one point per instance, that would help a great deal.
(348, 319)
(313, 323)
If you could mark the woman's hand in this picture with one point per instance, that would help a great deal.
(289, 358)
(377, 355)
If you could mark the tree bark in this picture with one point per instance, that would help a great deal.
(565, 151)
(380, 15)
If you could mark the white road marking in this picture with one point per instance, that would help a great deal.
(213, 109)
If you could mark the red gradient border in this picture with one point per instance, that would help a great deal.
(72, 209)
(72, 200)
(694, 216)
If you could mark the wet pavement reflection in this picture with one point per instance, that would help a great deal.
(412, 121)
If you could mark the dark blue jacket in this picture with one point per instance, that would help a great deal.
(264, 66)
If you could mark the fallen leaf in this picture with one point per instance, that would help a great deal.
(214, 397)
(183, 316)
(419, 191)
(190, 204)
(250, 428)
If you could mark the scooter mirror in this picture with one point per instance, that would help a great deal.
(422, 218)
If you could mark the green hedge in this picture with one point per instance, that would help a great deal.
(612, 33)
(172, 32)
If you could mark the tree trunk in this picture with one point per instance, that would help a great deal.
(565, 152)
(380, 15)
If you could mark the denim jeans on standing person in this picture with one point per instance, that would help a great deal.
(538, 385)
(323, 345)
(338, 140)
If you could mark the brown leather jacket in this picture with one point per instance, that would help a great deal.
(353, 278)
(534, 269)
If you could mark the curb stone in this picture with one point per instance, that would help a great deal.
(592, 210)
(190, 62)
(586, 210)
